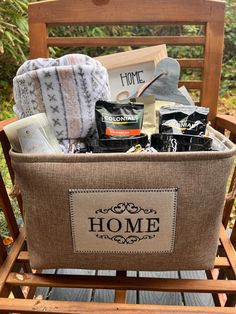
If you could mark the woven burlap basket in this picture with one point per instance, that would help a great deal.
(159, 211)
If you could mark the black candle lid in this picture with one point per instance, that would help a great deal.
(122, 144)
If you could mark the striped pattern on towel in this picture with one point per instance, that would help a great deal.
(66, 89)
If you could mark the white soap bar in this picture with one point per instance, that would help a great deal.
(40, 120)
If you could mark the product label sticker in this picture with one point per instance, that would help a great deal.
(123, 220)
(119, 120)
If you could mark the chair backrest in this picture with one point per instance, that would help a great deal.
(208, 13)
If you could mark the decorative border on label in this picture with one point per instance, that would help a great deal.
(173, 189)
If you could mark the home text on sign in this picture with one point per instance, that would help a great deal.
(131, 78)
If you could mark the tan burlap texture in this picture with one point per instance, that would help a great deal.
(195, 181)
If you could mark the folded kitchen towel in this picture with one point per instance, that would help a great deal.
(66, 89)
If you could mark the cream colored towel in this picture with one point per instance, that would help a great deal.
(66, 89)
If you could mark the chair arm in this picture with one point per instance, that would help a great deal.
(6, 122)
(226, 122)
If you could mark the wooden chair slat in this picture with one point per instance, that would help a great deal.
(38, 47)
(227, 211)
(120, 295)
(3, 252)
(231, 301)
(219, 299)
(212, 67)
(109, 12)
(17, 292)
(127, 283)
(6, 147)
(73, 307)
(7, 121)
(229, 249)
(191, 63)
(191, 84)
(124, 41)
(233, 236)
(232, 137)
(229, 203)
(10, 260)
(220, 262)
(23, 256)
(226, 122)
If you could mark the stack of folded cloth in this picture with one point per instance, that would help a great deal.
(66, 89)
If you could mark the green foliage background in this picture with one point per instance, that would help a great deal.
(14, 45)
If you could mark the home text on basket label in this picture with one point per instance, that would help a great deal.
(126, 225)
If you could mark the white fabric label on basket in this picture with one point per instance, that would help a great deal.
(123, 220)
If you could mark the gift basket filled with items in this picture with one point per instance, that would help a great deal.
(117, 178)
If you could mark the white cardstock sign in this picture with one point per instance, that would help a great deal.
(123, 220)
(129, 70)
(126, 81)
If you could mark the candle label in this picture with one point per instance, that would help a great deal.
(32, 140)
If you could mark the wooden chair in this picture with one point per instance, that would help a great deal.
(15, 271)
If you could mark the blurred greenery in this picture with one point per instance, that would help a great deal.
(14, 44)
(229, 62)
